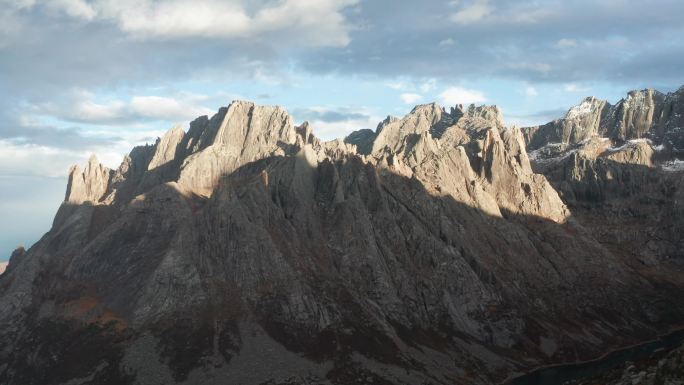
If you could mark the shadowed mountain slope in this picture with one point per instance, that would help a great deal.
(248, 251)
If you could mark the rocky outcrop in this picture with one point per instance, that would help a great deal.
(580, 123)
(89, 184)
(362, 139)
(630, 203)
(246, 133)
(468, 145)
(626, 186)
(395, 136)
(642, 114)
(249, 251)
(167, 148)
(17, 254)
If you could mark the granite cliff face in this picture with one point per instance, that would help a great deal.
(246, 250)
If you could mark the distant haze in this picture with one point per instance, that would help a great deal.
(27, 208)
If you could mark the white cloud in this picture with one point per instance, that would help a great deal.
(314, 22)
(531, 91)
(75, 8)
(513, 13)
(11, 26)
(412, 85)
(164, 108)
(17, 4)
(20, 158)
(332, 130)
(31, 159)
(396, 85)
(574, 87)
(410, 98)
(81, 106)
(33, 181)
(428, 85)
(90, 111)
(459, 95)
(473, 12)
(526, 13)
(330, 122)
(447, 42)
(566, 43)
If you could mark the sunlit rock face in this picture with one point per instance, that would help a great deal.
(246, 250)
(247, 133)
(89, 184)
(642, 114)
(469, 155)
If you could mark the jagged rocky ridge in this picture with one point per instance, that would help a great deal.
(620, 169)
(248, 251)
(642, 114)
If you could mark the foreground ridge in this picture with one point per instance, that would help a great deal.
(426, 251)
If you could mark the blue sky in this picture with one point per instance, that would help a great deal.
(80, 77)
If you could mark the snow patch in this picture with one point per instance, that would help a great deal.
(586, 141)
(630, 143)
(584, 108)
(673, 165)
(544, 154)
(559, 151)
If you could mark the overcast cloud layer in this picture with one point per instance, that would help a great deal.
(100, 76)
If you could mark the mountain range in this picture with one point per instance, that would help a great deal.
(443, 247)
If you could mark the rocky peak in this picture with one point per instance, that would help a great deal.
(306, 135)
(203, 131)
(491, 114)
(433, 119)
(489, 156)
(640, 97)
(635, 151)
(472, 144)
(89, 184)
(636, 114)
(247, 242)
(581, 121)
(262, 127)
(246, 133)
(393, 133)
(642, 113)
(363, 140)
(588, 107)
(166, 148)
(389, 119)
(14, 259)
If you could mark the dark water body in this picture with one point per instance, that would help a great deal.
(563, 373)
